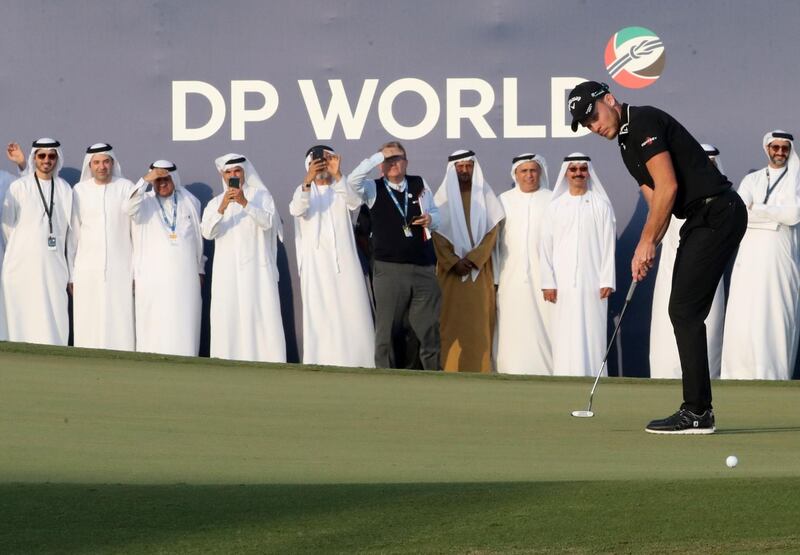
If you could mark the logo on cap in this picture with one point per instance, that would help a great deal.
(634, 57)
(572, 101)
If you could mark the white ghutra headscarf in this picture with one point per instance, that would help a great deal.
(251, 179)
(100, 148)
(593, 184)
(320, 202)
(713, 154)
(44, 143)
(789, 196)
(486, 211)
(544, 181)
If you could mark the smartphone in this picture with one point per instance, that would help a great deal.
(317, 153)
(233, 183)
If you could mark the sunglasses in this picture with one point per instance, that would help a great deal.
(577, 169)
(780, 148)
(46, 155)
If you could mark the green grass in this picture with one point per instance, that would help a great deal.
(107, 452)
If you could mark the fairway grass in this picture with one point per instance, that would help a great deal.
(125, 453)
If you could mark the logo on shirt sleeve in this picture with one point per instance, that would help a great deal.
(649, 141)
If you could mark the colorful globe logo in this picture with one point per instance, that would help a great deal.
(635, 57)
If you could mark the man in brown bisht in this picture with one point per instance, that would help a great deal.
(470, 214)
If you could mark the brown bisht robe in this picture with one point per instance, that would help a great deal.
(468, 307)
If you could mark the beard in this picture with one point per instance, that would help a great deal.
(323, 176)
(776, 161)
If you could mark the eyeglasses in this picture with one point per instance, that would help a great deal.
(46, 155)
(576, 169)
(780, 148)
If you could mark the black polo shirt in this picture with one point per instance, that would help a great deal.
(646, 131)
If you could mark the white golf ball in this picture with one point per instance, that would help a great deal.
(731, 461)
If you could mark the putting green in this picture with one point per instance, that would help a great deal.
(291, 438)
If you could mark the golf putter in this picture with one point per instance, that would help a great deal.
(588, 412)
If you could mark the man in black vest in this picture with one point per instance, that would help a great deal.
(403, 214)
(675, 176)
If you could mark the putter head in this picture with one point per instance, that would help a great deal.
(582, 413)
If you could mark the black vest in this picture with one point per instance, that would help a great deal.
(389, 241)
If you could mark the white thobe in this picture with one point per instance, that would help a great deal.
(761, 323)
(664, 360)
(34, 278)
(5, 180)
(245, 303)
(338, 328)
(102, 271)
(522, 334)
(166, 273)
(577, 259)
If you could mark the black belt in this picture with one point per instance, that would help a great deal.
(696, 204)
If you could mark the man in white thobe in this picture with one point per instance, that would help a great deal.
(664, 360)
(101, 254)
(577, 264)
(245, 226)
(16, 155)
(168, 263)
(337, 317)
(35, 226)
(761, 324)
(522, 337)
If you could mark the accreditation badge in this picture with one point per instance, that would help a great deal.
(51, 242)
(407, 231)
(173, 239)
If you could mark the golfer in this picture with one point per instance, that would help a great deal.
(675, 176)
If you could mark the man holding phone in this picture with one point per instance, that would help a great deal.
(403, 215)
(337, 318)
(245, 226)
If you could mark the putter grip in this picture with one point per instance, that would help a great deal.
(631, 289)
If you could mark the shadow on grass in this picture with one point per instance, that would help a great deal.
(768, 430)
(739, 515)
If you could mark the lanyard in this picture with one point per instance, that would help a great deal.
(170, 225)
(770, 189)
(403, 211)
(47, 211)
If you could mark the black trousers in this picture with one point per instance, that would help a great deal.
(400, 290)
(709, 238)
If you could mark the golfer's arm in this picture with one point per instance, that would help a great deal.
(662, 198)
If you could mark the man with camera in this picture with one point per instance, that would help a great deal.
(245, 226)
(337, 319)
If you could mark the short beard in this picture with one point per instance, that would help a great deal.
(323, 176)
(776, 162)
